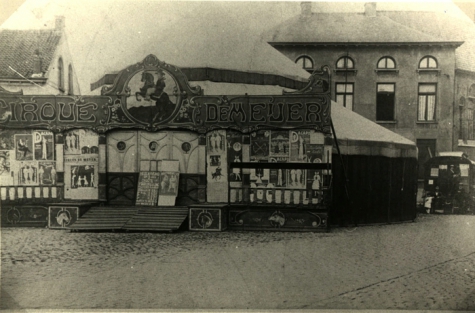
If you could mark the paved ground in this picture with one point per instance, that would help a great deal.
(429, 264)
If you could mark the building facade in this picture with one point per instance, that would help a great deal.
(384, 69)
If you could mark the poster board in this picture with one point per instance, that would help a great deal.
(169, 178)
(147, 188)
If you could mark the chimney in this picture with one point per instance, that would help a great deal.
(38, 64)
(59, 23)
(306, 8)
(370, 9)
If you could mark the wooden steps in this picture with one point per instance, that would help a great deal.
(132, 219)
(158, 219)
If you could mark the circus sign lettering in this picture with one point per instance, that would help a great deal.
(279, 111)
(154, 95)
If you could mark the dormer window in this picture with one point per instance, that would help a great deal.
(60, 75)
(305, 62)
(428, 63)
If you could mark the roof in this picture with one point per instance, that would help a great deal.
(344, 28)
(18, 47)
(357, 135)
(443, 26)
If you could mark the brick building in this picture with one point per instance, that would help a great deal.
(405, 70)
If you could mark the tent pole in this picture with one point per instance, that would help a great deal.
(344, 170)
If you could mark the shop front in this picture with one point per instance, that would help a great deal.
(153, 144)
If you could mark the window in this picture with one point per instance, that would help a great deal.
(386, 63)
(344, 94)
(70, 80)
(385, 102)
(60, 75)
(428, 63)
(427, 102)
(345, 63)
(305, 62)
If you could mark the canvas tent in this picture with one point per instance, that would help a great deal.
(380, 168)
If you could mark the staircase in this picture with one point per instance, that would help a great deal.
(165, 219)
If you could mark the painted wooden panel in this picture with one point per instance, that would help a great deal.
(186, 151)
(255, 218)
(207, 218)
(122, 156)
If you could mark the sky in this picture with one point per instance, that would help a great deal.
(105, 36)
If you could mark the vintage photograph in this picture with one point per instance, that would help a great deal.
(237, 155)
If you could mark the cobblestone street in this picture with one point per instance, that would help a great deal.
(426, 265)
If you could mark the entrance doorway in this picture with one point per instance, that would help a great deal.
(129, 152)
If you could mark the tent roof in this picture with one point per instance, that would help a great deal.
(359, 136)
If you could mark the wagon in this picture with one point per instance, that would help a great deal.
(449, 183)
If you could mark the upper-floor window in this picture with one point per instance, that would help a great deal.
(385, 102)
(344, 94)
(428, 63)
(427, 102)
(60, 74)
(70, 80)
(386, 63)
(345, 63)
(305, 62)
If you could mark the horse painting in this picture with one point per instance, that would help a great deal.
(148, 87)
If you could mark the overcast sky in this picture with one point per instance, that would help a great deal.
(108, 35)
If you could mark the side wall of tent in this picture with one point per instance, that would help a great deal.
(381, 190)
(381, 183)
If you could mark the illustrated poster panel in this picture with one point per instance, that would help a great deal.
(298, 145)
(217, 166)
(81, 177)
(24, 147)
(147, 189)
(28, 173)
(47, 173)
(6, 178)
(81, 141)
(260, 142)
(279, 146)
(278, 177)
(44, 145)
(296, 178)
(234, 144)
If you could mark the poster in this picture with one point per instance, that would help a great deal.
(296, 179)
(83, 176)
(279, 145)
(24, 147)
(278, 177)
(299, 140)
(47, 173)
(81, 141)
(260, 145)
(147, 189)
(28, 173)
(169, 182)
(44, 145)
(5, 169)
(234, 144)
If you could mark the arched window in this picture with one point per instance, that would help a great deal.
(428, 63)
(305, 62)
(70, 80)
(345, 63)
(386, 63)
(60, 74)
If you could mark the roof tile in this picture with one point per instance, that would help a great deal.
(17, 50)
